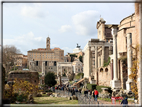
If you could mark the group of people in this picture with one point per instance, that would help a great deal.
(87, 93)
(90, 92)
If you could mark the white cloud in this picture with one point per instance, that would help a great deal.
(26, 42)
(85, 22)
(33, 11)
(65, 28)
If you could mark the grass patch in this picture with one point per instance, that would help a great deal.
(45, 95)
(54, 100)
(109, 100)
(105, 99)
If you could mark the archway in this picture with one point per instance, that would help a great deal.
(106, 70)
(101, 70)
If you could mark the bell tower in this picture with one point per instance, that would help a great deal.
(48, 43)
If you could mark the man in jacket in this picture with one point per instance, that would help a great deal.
(96, 94)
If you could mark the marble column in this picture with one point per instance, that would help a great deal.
(129, 60)
(96, 62)
(61, 70)
(111, 69)
(90, 61)
(115, 82)
(115, 56)
(102, 59)
(43, 68)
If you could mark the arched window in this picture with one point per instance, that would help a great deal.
(106, 70)
(101, 70)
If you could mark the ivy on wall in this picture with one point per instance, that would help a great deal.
(123, 59)
(107, 63)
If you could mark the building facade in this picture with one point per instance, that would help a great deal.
(20, 60)
(77, 66)
(122, 40)
(42, 59)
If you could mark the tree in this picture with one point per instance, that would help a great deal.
(81, 58)
(50, 79)
(72, 57)
(134, 69)
(25, 86)
(8, 56)
(3, 81)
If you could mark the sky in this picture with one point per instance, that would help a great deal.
(27, 25)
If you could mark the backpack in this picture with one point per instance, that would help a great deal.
(93, 94)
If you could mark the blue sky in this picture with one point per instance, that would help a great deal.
(27, 25)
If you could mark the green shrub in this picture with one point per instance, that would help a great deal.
(48, 91)
(14, 97)
(91, 86)
(99, 88)
(21, 97)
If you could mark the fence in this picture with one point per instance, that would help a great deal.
(82, 99)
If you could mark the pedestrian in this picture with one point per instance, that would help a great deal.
(80, 90)
(89, 94)
(73, 92)
(125, 102)
(96, 94)
(86, 93)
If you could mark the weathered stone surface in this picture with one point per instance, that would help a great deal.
(30, 99)
(74, 97)
(39, 95)
(69, 98)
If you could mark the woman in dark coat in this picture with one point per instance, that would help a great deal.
(125, 102)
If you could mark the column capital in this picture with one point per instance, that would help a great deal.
(114, 30)
(129, 35)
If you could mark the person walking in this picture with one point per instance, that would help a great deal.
(96, 94)
(90, 93)
(125, 102)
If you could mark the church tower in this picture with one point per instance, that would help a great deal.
(47, 43)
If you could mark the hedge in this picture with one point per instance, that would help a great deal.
(91, 86)
(99, 88)
(94, 86)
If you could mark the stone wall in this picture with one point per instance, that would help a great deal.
(104, 75)
(32, 77)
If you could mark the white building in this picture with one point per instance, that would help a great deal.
(77, 49)
(77, 66)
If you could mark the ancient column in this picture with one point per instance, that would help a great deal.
(43, 68)
(115, 82)
(115, 54)
(96, 57)
(111, 69)
(90, 61)
(96, 62)
(102, 59)
(61, 70)
(129, 59)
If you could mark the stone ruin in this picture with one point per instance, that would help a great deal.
(30, 99)
(115, 93)
(122, 93)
